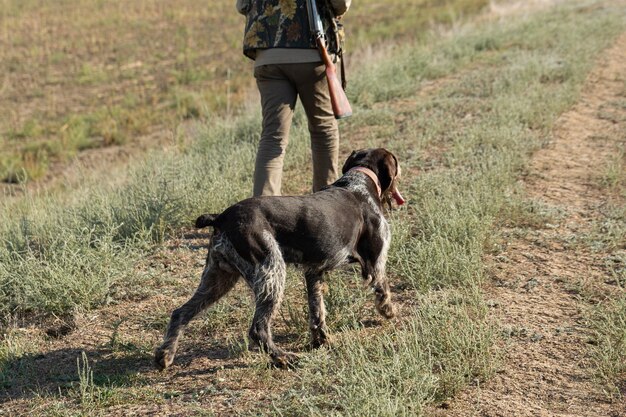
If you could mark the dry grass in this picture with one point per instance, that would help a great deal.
(84, 74)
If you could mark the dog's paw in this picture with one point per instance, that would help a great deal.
(285, 360)
(318, 343)
(319, 338)
(163, 358)
(386, 310)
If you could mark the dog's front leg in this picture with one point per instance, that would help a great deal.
(373, 261)
(374, 275)
(317, 310)
(383, 297)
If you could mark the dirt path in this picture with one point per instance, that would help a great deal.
(536, 282)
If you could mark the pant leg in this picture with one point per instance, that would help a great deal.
(312, 86)
(278, 100)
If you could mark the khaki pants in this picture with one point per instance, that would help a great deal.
(280, 85)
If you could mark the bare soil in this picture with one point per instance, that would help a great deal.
(540, 285)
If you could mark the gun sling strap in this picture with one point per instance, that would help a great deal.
(344, 83)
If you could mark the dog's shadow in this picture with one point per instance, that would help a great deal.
(193, 361)
(68, 371)
(60, 371)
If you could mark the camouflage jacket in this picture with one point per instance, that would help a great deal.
(285, 24)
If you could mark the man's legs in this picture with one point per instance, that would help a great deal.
(278, 100)
(312, 86)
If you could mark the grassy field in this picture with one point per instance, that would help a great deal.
(85, 74)
(88, 278)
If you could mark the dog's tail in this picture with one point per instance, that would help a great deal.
(206, 220)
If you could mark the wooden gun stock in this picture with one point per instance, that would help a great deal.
(338, 98)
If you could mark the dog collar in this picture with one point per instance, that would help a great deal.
(370, 174)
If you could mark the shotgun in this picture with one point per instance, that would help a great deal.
(338, 99)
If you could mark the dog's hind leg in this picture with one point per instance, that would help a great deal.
(267, 281)
(317, 310)
(217, 279)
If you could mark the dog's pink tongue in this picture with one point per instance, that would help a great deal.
(398, 197)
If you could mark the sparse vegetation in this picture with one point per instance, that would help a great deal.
(607, 318)
(608, 322)
(84, 74)
(114, 249)
(441, 347)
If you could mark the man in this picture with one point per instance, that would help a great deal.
(288, 65)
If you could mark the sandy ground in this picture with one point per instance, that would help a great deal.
(536, 283)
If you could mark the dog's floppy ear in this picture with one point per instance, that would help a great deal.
(349, 162)
(387, 170)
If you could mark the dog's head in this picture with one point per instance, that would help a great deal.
(385, 166)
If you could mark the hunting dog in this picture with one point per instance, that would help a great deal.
(255, 239)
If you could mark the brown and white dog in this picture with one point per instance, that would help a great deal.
(257, 237)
